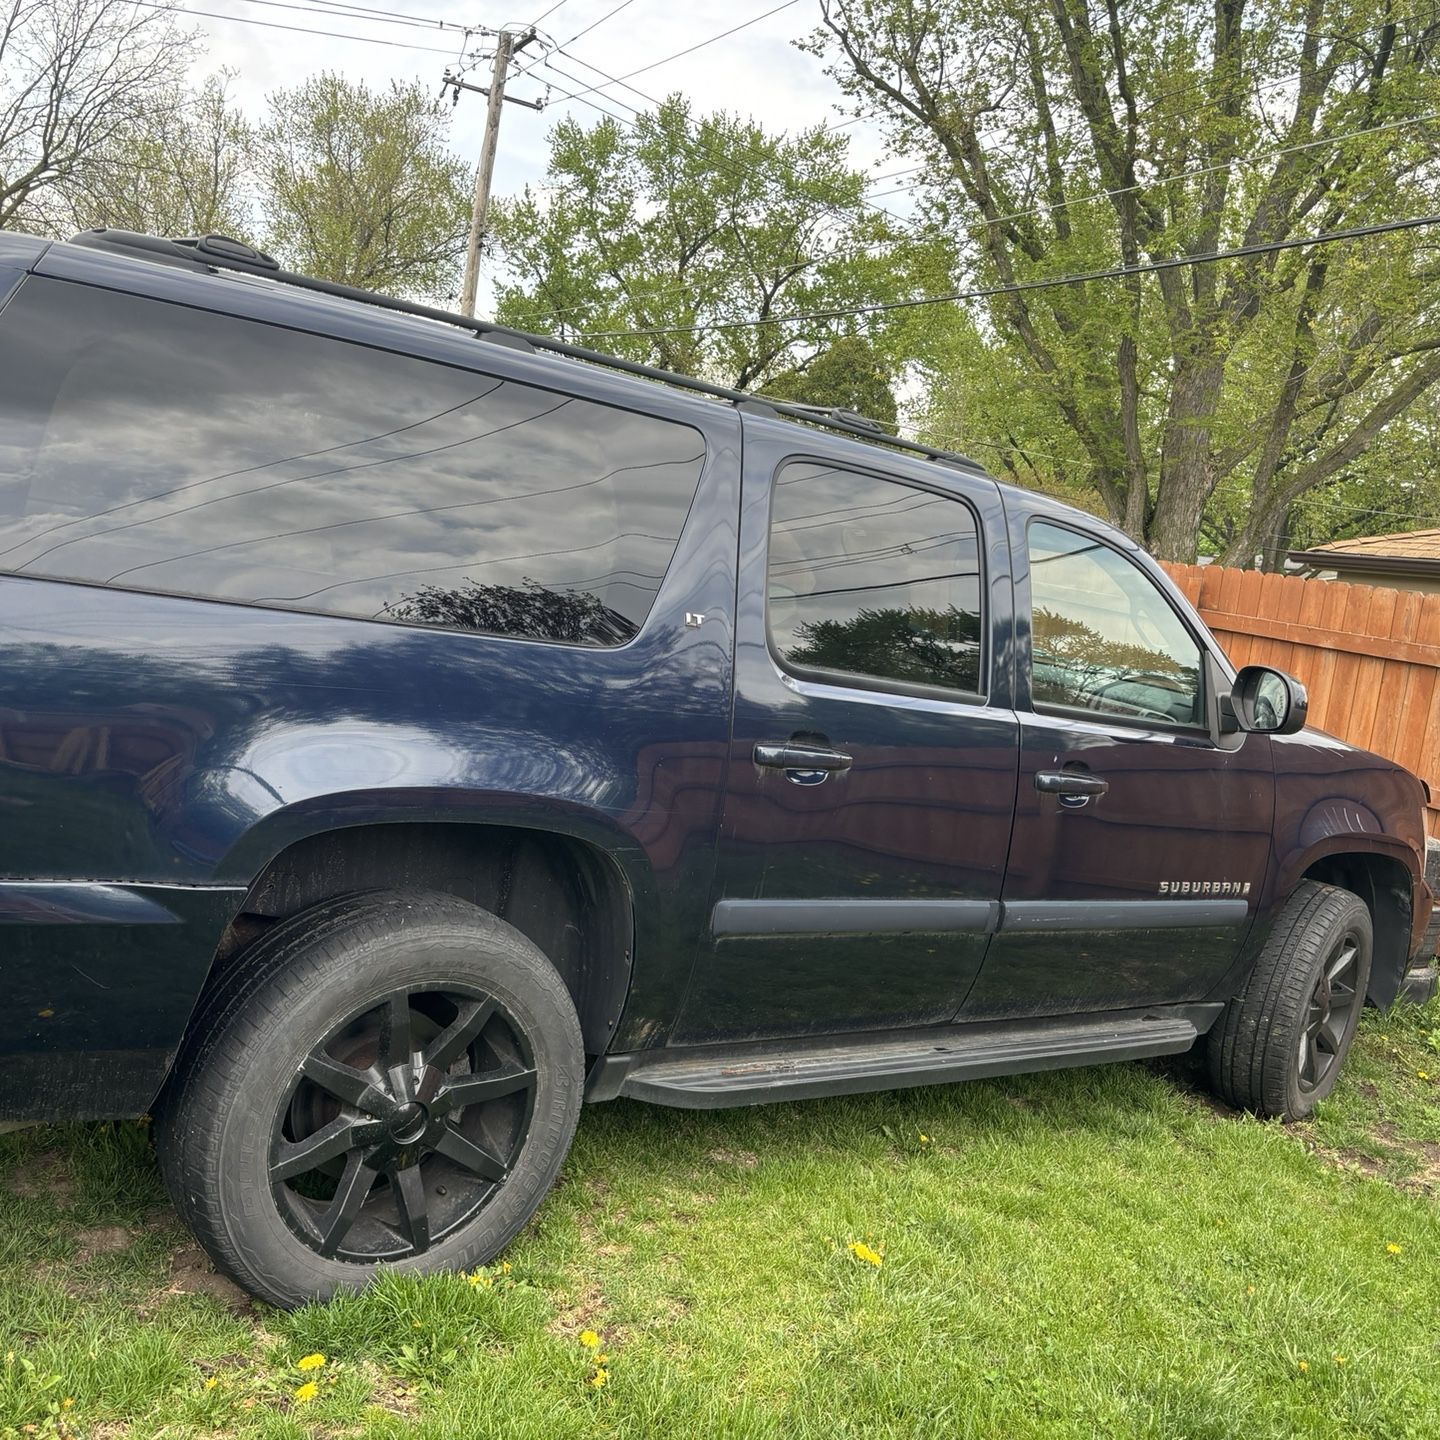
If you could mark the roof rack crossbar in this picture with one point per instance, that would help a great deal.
(219, 252)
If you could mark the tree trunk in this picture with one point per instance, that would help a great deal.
(1186, 469)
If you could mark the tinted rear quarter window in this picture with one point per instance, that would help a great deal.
(151, 446)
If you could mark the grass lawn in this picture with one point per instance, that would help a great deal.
(1086, 1253)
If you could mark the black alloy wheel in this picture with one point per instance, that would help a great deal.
(1279, 1046)
(389, 1079)
(1331, 1015)
(402, 1124)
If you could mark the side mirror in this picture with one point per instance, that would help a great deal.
(1268, 702)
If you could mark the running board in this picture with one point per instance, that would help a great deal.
(716, 1077)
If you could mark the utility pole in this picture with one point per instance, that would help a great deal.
(507, 46)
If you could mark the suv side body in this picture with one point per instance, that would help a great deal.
(182, 772)
(165, 751)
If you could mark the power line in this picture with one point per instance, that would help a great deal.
(367, 15)
(624, 4)
(297, 29)
(1357, 232)
(689, 49)
(595, 25)
(558, 3)
(343, 5)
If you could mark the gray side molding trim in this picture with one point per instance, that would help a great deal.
(854, 917)
(1043, 915)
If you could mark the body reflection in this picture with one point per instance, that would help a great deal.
(530, 610)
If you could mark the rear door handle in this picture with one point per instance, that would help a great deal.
(1070, 782)
(802, 757)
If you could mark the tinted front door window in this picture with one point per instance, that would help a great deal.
(1104, 638)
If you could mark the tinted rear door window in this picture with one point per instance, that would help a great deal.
(873, 579)
(154, 447)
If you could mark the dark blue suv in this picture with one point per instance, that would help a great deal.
(409, 729)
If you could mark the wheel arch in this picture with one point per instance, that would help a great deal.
(1386, 885)
(565, 893)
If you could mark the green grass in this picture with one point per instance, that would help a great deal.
(1087, 1253)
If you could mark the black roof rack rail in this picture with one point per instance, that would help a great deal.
(220, 252)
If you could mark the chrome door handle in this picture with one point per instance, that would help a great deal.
(802, 757)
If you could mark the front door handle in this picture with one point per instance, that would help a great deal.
(819, 759)
(1070, 782)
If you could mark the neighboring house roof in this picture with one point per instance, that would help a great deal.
(1412, 552)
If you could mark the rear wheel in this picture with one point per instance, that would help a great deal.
(393, 1079)
(1280, 1045)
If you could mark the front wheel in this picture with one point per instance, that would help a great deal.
(393, 1079)
(1279, 1047)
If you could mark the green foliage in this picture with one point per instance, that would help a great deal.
(848, 374)
(1060, 136)
(181, 169)
(1074, 1254)
(681, 222)
(358, 186)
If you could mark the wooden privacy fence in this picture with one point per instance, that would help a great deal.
(1369, 657)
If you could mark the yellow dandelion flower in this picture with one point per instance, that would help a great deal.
(1304, 1366)
(211, 1382)
(504, 1267)
(1393, 1249)
(1339, 1359)
(1423, 1074)
(589, 1339)
(924, 1138)
(67, 1403)
(310, 1362)
(307, 1392)
(599, 1378)
(861, 1251)
(1249, 1289)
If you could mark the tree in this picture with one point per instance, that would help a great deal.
(531, 609)
(679, 223)
(358, 186)
(1060, 136)
(928, 646)
(75, 77)
(849, 374)
(181, 170)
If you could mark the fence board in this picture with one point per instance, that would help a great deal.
(1370, 657)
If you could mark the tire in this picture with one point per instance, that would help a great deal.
(1307, 986)
(392, 1079)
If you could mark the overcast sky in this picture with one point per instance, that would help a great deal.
(757, 72)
